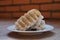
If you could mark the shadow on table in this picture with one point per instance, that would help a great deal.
(39, 36)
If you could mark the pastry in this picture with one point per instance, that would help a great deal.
(32, 19)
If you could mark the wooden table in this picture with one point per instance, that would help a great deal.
(5, 34)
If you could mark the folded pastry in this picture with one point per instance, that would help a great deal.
(32, 17)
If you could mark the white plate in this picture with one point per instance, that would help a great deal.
(47, 28)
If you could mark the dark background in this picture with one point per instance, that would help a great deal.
(50, 9)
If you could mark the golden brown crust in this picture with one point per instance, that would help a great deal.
(28, 19)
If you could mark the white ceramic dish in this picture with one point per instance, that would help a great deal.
(47, 28)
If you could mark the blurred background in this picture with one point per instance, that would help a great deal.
(13, 9)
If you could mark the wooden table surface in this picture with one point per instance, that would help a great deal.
(5, 34)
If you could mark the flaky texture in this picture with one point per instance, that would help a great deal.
(32, 17)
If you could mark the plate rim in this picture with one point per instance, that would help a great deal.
(31, 31)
